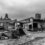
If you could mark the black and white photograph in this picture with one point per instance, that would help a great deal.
(22, 22)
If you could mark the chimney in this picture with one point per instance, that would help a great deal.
(37, 16)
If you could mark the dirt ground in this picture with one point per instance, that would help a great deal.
(28, 39)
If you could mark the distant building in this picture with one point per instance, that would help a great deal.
(6, 23)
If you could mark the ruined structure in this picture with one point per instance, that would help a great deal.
(34, 23)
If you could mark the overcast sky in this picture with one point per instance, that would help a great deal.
(22, 9)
